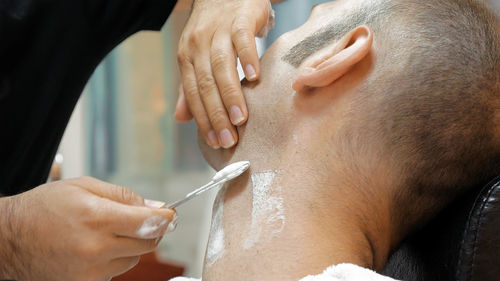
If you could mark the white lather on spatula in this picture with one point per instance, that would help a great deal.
(226, 174)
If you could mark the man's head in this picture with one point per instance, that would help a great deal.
(399, 96)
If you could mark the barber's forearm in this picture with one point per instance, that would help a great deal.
(183, 5)
(186, 4)
(7, 270)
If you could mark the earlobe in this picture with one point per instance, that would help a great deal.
(332, 62)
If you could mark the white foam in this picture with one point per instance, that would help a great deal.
(267, 208)
(232, 171)
(216, 240)
(347, 272)
(150, 226)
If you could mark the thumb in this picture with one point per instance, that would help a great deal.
(182, 113)
(109, 191)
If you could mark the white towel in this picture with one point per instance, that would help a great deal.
(347, 272)
(341, 272)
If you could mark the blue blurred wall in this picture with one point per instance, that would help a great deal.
(290, 14)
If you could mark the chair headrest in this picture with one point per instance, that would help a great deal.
(462, 243)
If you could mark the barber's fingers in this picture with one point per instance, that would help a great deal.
(111, 247)
(107, 190)
(223, 63)
(127, 247)
(212, 102)
(182, 113)
(193, 100)
(136, 222)
(121, 265)
(243, 37)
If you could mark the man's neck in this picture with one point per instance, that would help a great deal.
(283, 221)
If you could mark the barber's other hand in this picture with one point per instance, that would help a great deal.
(80, 229)
(217, 32)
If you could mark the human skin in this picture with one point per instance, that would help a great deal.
(348, 144)
(80, 229)
(333, 214)
(216, 34)
(187, 4)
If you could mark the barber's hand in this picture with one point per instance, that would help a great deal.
(217, 32)
(81, 229)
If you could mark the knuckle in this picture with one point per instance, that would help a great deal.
(228, 91)
(127, 195)
(183, 58)
(206, 83)
(191, 39)
(195, 38)
(218, 116)
(190, 92)
(243, 49)
(240, 29)
(219, 60)
(241, 37)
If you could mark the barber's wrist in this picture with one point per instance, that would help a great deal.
(7, 242)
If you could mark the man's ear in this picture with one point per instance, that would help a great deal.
(335, 60)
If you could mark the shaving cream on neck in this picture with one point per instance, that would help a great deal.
(268, 214)
(216, 240)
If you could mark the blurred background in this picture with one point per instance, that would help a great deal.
(123, 130)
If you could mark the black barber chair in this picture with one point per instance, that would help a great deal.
(462, 243)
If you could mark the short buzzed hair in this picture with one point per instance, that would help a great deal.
(442, 108)
(371, 14)
(433, 101)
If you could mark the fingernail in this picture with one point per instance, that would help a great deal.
(226, 138)
(154, 203)
(173, 224)
(250, 72)
(212, 139)
(236, 115)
